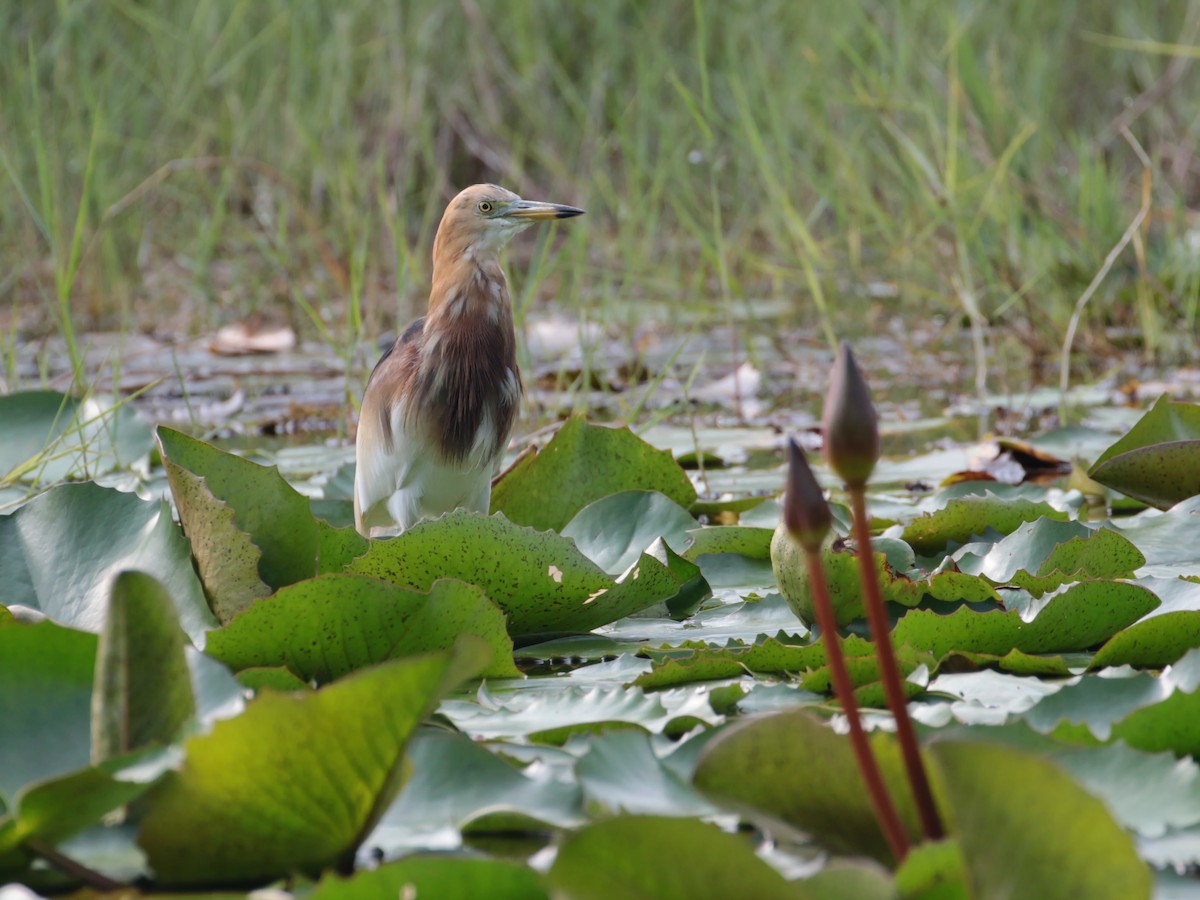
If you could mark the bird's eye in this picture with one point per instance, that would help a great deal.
(485, 206)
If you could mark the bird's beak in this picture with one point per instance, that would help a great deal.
(535, 210)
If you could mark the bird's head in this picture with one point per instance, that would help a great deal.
(483, 217)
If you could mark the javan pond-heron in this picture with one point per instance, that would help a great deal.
(441, 403)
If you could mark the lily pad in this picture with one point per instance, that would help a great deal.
(1026, 829)
(657, 858)
(582, 463)
(1158, 460)
(437, 796)
(60, 552)
(219, 495)
(297, 780)
(326, 627)
(615, 530)
(1160, 475)
(49, 436)
(143, 691)
(45, 702)
(539, 579)
(795, 769)
(966, 517)
(1079, 617)
(53, 810)
(436, 876)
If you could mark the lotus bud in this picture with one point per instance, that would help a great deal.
(850, 424)
(805, 512)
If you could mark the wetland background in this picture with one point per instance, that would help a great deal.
(973, 190)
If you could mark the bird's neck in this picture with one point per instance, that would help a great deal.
(469, 286)
(466, 377)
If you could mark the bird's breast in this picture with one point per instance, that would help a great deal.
(467, 389)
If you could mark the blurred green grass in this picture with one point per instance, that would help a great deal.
(175, 165)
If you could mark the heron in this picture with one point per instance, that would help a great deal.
(441, 402)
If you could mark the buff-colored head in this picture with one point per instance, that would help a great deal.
(482, 219)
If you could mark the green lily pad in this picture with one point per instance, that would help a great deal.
(1026, 829)
(231, 507)
(45, 703)
(53, 810)
(580, 464)
(657, 858)
(1150, 793)
(1154, 642)
(438, 797)
(1158, 460)
(326, 627)
(275, 678)
(539, 579)
(795, 769)
(933, 870)
(436, 876)
(1043, 555)
(966, 517)
(620, 772)
(143, 691)
(60, 552)
(1160, 475)
(51, 437)
(841, 570)
(614, 531)
(1079, 617)
(700, 662)
(298, 780)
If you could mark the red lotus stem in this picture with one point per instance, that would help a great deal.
(808, 520)
(843, 688)
(889, 671)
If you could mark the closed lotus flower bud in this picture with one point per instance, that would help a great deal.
(805, 512)
(850, 424)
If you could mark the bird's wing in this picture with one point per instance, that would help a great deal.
(384, 453)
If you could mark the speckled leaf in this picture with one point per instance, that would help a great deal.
(1042, 555)
(1154, 642)
(659, 858)
(770, 656)
(298, 780)
(1014, 661)
(582, 463)
(227, 558)
(1026, 829)
(143, 691)
(932, 871)
(326, 627)
(1082, 616)
(60, 552)
(741, 539)
(1166, 421)
(540, 579)
(794, 768)
(966, 517)
(336, 547)
(1160, 475)
(276, 678)
(275, 519)
(436, 876)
